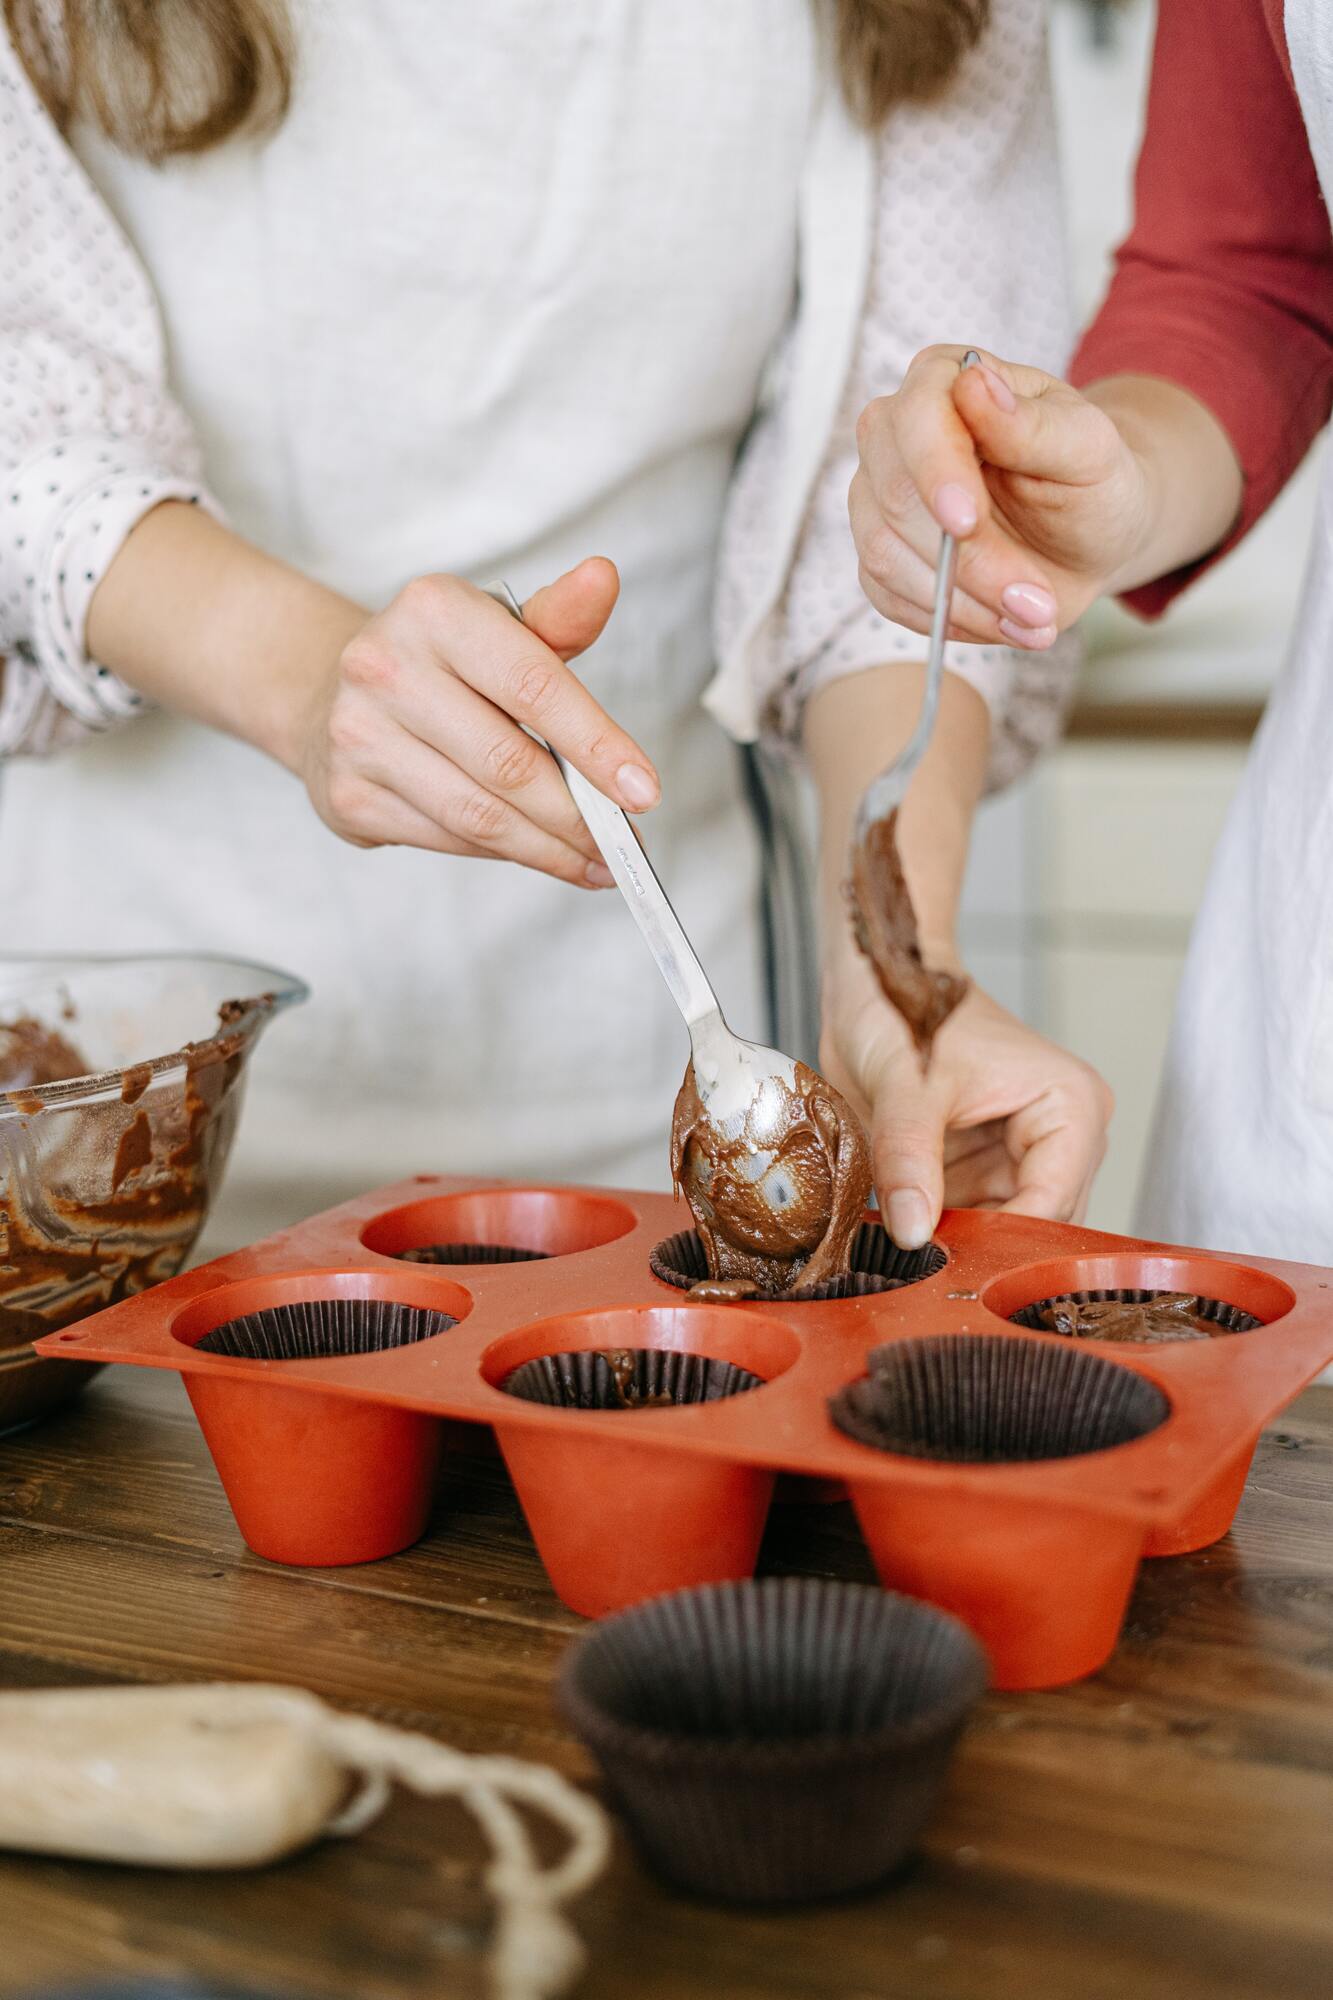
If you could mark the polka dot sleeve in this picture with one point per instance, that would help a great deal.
(968, 246)
(90, 439)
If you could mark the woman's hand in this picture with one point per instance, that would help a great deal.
(1056, 497)
(1001, 1119)
(413, 738)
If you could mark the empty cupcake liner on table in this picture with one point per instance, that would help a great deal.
(1012, 1475)
(780, 1741)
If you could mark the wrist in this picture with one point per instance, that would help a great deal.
(298, 692)
(1180, 485)
(841, 953)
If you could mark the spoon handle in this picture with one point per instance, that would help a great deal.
(636, 879)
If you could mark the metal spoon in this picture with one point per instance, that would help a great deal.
(884, 794)
(730, 1073)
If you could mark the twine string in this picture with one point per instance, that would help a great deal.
(536, 1954)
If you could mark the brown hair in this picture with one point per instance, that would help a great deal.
(159, 77)
(162, 77)
(897, 51)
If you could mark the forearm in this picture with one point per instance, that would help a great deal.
(853, 728)
(210, 627)
(1193, 485)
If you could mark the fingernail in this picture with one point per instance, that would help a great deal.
(1030, 604)
(637, 788)
(908, 1218)
(1001, 394)
(1033, 641)
(598, 876)
(955, 509)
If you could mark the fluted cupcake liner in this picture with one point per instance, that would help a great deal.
(777, 1741)
(1227, 1319)
(315, 1329)
(470, 1253)
(994, 1399)
(587, 1380)
(877, 1265)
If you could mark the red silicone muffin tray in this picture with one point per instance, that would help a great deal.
(331, 1461)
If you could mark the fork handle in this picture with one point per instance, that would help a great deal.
(635, 877)
(884, 793)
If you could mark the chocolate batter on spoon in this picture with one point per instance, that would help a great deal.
(885, 926)
(777, 1190)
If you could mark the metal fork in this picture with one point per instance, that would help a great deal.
(884, 794)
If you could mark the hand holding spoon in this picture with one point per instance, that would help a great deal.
(754, 1105)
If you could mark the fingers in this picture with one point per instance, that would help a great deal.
(922, 469)
(899, 580)
(916, 444)
(907, 1145)
(1047, 432)
(477, 640)
(570, 613)
(439, 806)
(454, 720)
(1057, 1143)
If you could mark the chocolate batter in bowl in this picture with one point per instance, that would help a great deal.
(121, 1082)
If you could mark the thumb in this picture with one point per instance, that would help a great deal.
(1025, 421)
(907, 1145)
(570, 613)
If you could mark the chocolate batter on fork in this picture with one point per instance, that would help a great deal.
(778, 1199)
(884, 923)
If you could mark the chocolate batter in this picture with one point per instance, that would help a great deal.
(778, 1198)
(31, 1054)
(884, 923)
(93, 1209)
(621, 1362)
(1172, 1316)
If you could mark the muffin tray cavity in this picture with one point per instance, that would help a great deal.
(1008, 1473)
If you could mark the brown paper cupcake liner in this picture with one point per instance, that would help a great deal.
(877, 1265)
(315, 1329)
(1227, 1319)
(587, 1381)
(778, 1741)
(470, 1253)
(993, 1399)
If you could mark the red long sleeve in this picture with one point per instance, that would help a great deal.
(1225, 282)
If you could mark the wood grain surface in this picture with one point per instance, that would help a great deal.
(1163, 1831)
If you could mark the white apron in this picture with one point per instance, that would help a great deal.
(1242, 1153)
(498, 295)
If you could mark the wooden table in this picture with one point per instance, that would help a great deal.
(1165, 1829)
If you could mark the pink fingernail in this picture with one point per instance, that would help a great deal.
(598, 876)
(1023, 635)
(1001, 394)
(637, 788)
(955, 509)
(1030, 604)
(908, 1217)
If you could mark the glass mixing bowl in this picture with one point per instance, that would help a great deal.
(107, 1176)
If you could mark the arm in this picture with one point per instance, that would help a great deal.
(1002, 1117)
(1209, 371)
(404, 726)
(975, 170)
